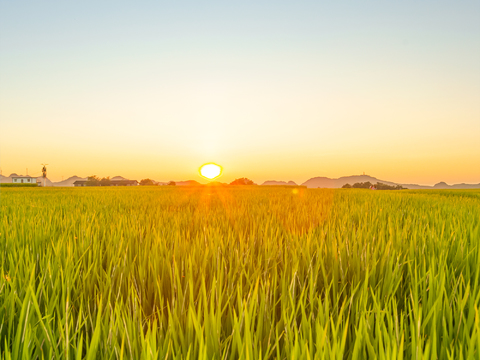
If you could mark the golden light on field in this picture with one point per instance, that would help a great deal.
(210, 171)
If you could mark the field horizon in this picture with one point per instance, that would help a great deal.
(314, 182)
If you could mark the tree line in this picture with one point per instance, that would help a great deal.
(106, 181)
(369, 185)
(239, 181)
(96, 181)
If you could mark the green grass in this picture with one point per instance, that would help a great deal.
(17, 185)
(229, 273)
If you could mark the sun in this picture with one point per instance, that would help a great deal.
(210, 171)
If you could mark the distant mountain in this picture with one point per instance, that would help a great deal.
(69, 181)
(443, 185)
(187, 183)
(118, 178)
(275, 182)
(325, 182)
(216, 183)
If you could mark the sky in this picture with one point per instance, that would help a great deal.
(270, 90)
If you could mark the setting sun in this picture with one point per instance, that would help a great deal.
(210, 171)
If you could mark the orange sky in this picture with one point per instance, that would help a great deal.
(271, 93)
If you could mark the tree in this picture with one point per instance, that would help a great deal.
(147, 182)
(93, 181)
(172, 183)
(242, 181)
(362, 185)
(105, 181)
(382, 186)
(347, 186)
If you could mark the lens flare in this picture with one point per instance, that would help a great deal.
(210, 171)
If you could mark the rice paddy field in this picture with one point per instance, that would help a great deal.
(239, 273)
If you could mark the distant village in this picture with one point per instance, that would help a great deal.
(95, 181)
(75, 181)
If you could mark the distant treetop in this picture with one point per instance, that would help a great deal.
(242, 181)
(146, 182)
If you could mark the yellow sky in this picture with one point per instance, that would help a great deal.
(270, 93)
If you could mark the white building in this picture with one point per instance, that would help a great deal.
(24, 179)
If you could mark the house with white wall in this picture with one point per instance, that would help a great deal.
(26, 179)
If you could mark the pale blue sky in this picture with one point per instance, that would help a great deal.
(271, 90)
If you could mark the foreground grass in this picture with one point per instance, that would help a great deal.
(207, 273)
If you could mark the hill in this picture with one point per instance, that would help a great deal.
(187, 183)
(443, 185)
(69, 181)
(325, 182)
(275, 182)
(216, 183)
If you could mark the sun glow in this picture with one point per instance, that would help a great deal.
(210, 171)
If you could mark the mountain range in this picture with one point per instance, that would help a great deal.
(325, 182)
(275, 182)
(315, 182)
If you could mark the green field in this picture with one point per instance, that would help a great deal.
(229, 273)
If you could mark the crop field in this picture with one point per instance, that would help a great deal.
(239, 273)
